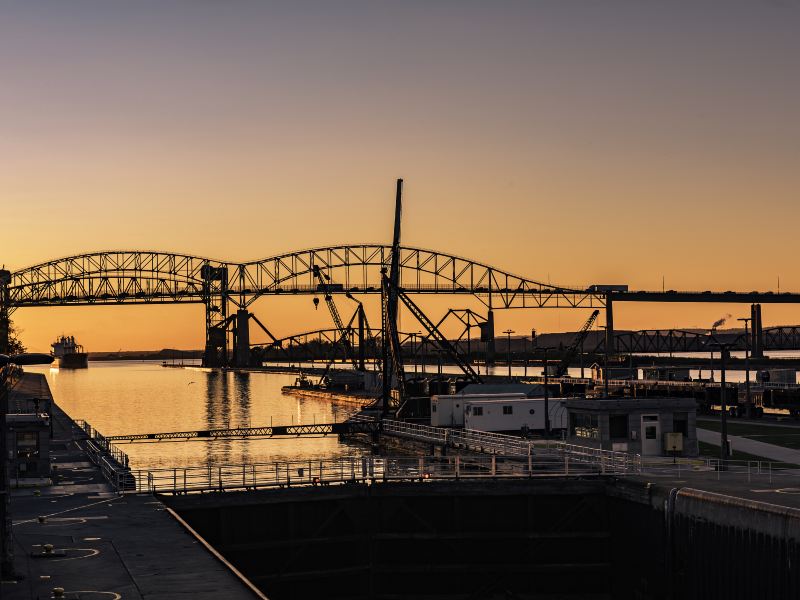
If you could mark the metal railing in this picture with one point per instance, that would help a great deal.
(509, 445)
(728, 470)
(113, 462)
(560, 460)
(355, 469)
(100, 440)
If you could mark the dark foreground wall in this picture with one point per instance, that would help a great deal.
(507, 539)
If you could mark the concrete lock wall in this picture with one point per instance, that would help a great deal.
(542, 538)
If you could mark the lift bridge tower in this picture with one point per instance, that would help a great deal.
(215, 299)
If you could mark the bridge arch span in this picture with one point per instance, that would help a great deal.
(136, 276)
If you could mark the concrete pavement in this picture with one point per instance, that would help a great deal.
(742, 444)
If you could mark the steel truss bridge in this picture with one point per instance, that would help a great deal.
(666, 341)
(149, 277)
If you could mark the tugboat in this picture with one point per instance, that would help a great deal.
(69, 354)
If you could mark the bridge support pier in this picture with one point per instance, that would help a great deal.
(487, 335)
(757, 332)
(611, 342)
(215, 298)
(241, 339)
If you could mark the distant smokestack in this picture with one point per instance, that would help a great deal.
(721, 321)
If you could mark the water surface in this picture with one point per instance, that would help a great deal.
(123, 397)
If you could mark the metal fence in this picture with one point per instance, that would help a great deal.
(354, 469)
(741, 471)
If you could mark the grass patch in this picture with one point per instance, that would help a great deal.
(787, 437)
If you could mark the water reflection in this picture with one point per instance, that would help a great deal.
(227, 408)
(124, 397)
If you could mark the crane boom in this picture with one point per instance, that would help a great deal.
(436, 335)
(344, 338)
(576, 343)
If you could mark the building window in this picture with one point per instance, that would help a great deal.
(584, 426)
(618, 426)
(477, 411)
(508, 410)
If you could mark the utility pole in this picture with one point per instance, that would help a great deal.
(508, 332)
(748, 407)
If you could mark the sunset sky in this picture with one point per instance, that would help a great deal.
(570, 142)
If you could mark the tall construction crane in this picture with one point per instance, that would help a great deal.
(436, 335)
(344, 339)
(569, 355)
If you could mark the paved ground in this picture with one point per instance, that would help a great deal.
(109, 547)
(742, 444)
(782, 423)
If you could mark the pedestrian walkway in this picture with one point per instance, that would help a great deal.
(742, 444)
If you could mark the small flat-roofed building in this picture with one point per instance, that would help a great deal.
(646, 426)
(28, 445)
(28, 429)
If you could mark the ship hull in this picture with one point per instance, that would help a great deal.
(75, 360)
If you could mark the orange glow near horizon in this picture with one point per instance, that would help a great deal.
(569, 145)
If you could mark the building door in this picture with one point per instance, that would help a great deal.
(651, 436)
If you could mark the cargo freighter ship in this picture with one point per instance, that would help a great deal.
(69, 354)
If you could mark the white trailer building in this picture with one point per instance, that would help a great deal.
(448, 410)
(513, 415)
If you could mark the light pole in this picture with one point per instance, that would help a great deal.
(508, 332)
(723, 409)
(605, 363)
(525, 355)
(421, 349)
(546, 394)
(748, 407)
(414, 350)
